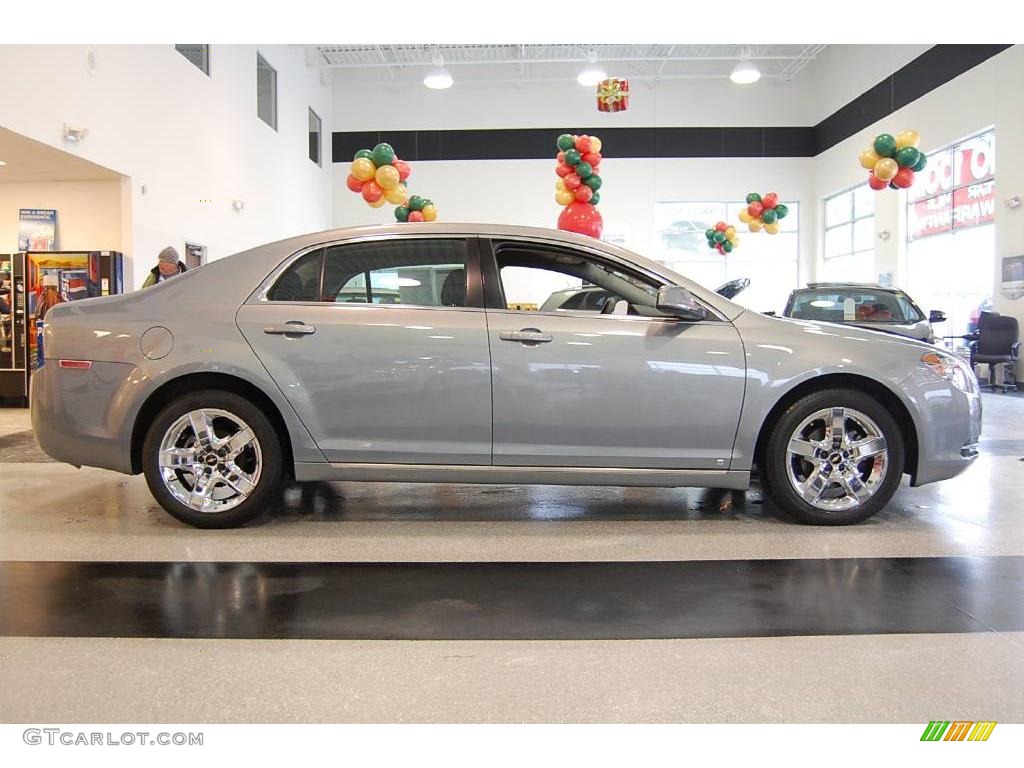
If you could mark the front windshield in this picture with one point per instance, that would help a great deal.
(853, 305)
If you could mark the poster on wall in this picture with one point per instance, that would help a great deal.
(195, 255)
(37, 229)
(1012, 283)
(957, 189)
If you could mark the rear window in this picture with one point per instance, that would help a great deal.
(853, 305)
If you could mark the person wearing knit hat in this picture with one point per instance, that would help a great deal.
(167, 266)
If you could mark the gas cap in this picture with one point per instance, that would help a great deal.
(157, 342)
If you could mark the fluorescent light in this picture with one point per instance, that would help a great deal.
(745, 72)
(591, 76)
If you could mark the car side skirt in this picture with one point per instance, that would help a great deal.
(465, 473)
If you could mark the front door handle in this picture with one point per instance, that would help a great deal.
(526, 336)
(292, 327)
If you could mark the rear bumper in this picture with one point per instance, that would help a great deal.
(79, 416)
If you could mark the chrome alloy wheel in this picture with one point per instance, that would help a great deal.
(210, 460)
(836, 459)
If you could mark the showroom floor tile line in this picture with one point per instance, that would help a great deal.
(513, 601)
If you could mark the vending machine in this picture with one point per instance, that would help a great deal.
(39, 280)
(13, 329)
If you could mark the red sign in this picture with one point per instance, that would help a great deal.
(956, 190)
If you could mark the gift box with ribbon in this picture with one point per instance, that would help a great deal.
(613, 95)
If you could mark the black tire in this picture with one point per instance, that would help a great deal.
(775, 463)
(266, 488)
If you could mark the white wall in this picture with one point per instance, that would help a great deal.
(841, 73)
(88, 212)
(186, 137)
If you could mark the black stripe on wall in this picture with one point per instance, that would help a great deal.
(933, 68)
(513, 601)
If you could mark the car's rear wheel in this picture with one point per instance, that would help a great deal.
(212, 459)
(834, 458)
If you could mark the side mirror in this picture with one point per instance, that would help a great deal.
(936, 316)
(677, 301)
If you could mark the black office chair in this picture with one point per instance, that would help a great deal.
(998, 344)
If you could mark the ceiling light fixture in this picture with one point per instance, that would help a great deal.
(2, 162)
(592, 74)
(438, 78)
(745, 72)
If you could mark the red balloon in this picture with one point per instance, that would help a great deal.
(582, 218)
(372, 192)
(403, 169)
(572, 180)
(904, 178)
(755, 210)
(719, 248)
(563, 170)
(415, 216)
(876, 183)
(769, 201)
(560, 158)
(353, 183)
(583, 144)
(721, 226)
(594, 158)
(584, 193)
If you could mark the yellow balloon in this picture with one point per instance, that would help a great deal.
(869, 158)
(564, 198)
(735, 241)
(907, 139)
(745, 216)
(560, 186)
(730, 232)
(595, 144)
(886, 168)
(772, 228)
(731, 237)
(429, 212)
(387, 177)
(755, 225)
(397, 196)
(363, 169)
(379, 203)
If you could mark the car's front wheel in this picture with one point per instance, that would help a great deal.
(834, 458)
(212, 459)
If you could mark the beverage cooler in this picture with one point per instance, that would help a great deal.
(32, 283)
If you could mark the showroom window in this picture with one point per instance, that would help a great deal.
(198, 54)
(771, 262)
(266, 92)
(314, 137)
(850, 236)
(951, 248)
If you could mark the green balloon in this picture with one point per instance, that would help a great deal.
(727, 246)
(921, 163)
(364, 153)
(565, 142)
(427, 201)
(593, 181)
(709, 234)
(595, 198)
(719, 237)
(907, 157)
(383, 154)
(584, 169)
(781, 210)
(885, 145)
(572, 156)
(769, 216)
(753, 197)
(402, 213)
(416, 203)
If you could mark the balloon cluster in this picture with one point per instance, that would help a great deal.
(722, 237)
(379, 176)
(893, 161)
(763, 212)
(579, 160)
(417, 209)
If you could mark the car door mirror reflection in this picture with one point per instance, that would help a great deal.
(678, 302)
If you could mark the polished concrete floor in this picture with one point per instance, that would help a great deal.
(849, 652)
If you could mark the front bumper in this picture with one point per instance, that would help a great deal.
(80, 416)
(948, 423)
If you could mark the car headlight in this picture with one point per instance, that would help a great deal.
(952, 369)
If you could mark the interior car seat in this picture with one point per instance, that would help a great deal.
(453, 289)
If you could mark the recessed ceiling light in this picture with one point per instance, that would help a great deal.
(2, 162)
(745, 72)
(438, 77)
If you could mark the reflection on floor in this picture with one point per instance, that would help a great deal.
(88, 552)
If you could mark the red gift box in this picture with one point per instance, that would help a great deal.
(613, 95)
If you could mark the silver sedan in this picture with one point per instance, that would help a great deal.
(418, 353)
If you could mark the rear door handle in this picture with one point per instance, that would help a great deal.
(526, 336)
(292, 327)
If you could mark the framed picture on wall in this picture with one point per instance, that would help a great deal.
(195, 255)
